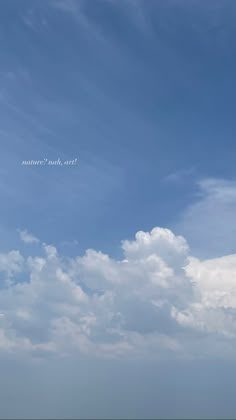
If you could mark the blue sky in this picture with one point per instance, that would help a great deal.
(135, 91)
(124, 263)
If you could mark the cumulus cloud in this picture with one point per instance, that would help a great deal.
(214, 309)
(157, 301)
(11, 262)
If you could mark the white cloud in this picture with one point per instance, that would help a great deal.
(209, 224)
(11, 262)
(159, 241)
(27, 237)
(156, 301)
(214, 307)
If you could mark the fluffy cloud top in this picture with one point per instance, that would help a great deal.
(158, 300)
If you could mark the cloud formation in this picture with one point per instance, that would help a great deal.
(27, 237)
(157, 301)
(209, 222)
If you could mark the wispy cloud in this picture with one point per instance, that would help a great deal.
(179, 176)
(209, 223)
(27, 237)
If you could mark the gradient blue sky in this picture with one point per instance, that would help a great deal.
(142, 94)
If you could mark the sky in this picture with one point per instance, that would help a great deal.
(117, 209)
